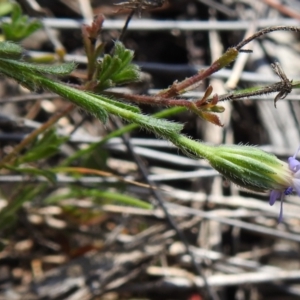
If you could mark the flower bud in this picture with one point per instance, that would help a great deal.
(251, 168)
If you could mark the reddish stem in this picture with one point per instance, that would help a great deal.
(179, 88)
(158, 100)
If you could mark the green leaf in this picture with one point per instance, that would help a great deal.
(120, 198)
(110, 65)
(31, 28)
(98, 106)
(36, 172)
(101, 114)
(43, 148)
(120, 104)
(10, 50)
(129, 74)
(62, 69)
(124, 54)
(37, 154)
(105, 66)
(117, 69)
(96, 147)
(20, 26)
(16, 13)
(50, 138)
(92, 103)
(11, 68)
(99, 197)
(26, 74)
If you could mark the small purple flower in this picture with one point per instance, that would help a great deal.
(294, 166)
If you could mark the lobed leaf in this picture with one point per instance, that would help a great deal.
(117, 69)
(20, 26)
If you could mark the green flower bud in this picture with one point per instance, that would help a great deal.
(251, 168)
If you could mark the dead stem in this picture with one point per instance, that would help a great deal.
(264, 32)
(286, 84)
(284, 87)
(224, 60)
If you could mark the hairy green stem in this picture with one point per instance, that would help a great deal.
(116, 133)
(96, 104)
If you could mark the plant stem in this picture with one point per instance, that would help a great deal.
(192, 82)
(116, 133)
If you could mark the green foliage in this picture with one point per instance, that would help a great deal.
(113, 70)
(10, 50)
(42, 148)
(20, 26)
(98, 196)
(125, 129)
(119, 104)
(58, 70)
(31, 75)
(20, 70)
(117, 69)
(97, 105)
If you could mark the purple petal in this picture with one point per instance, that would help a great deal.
(288, 191)
(274, 196)
(294, 164)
